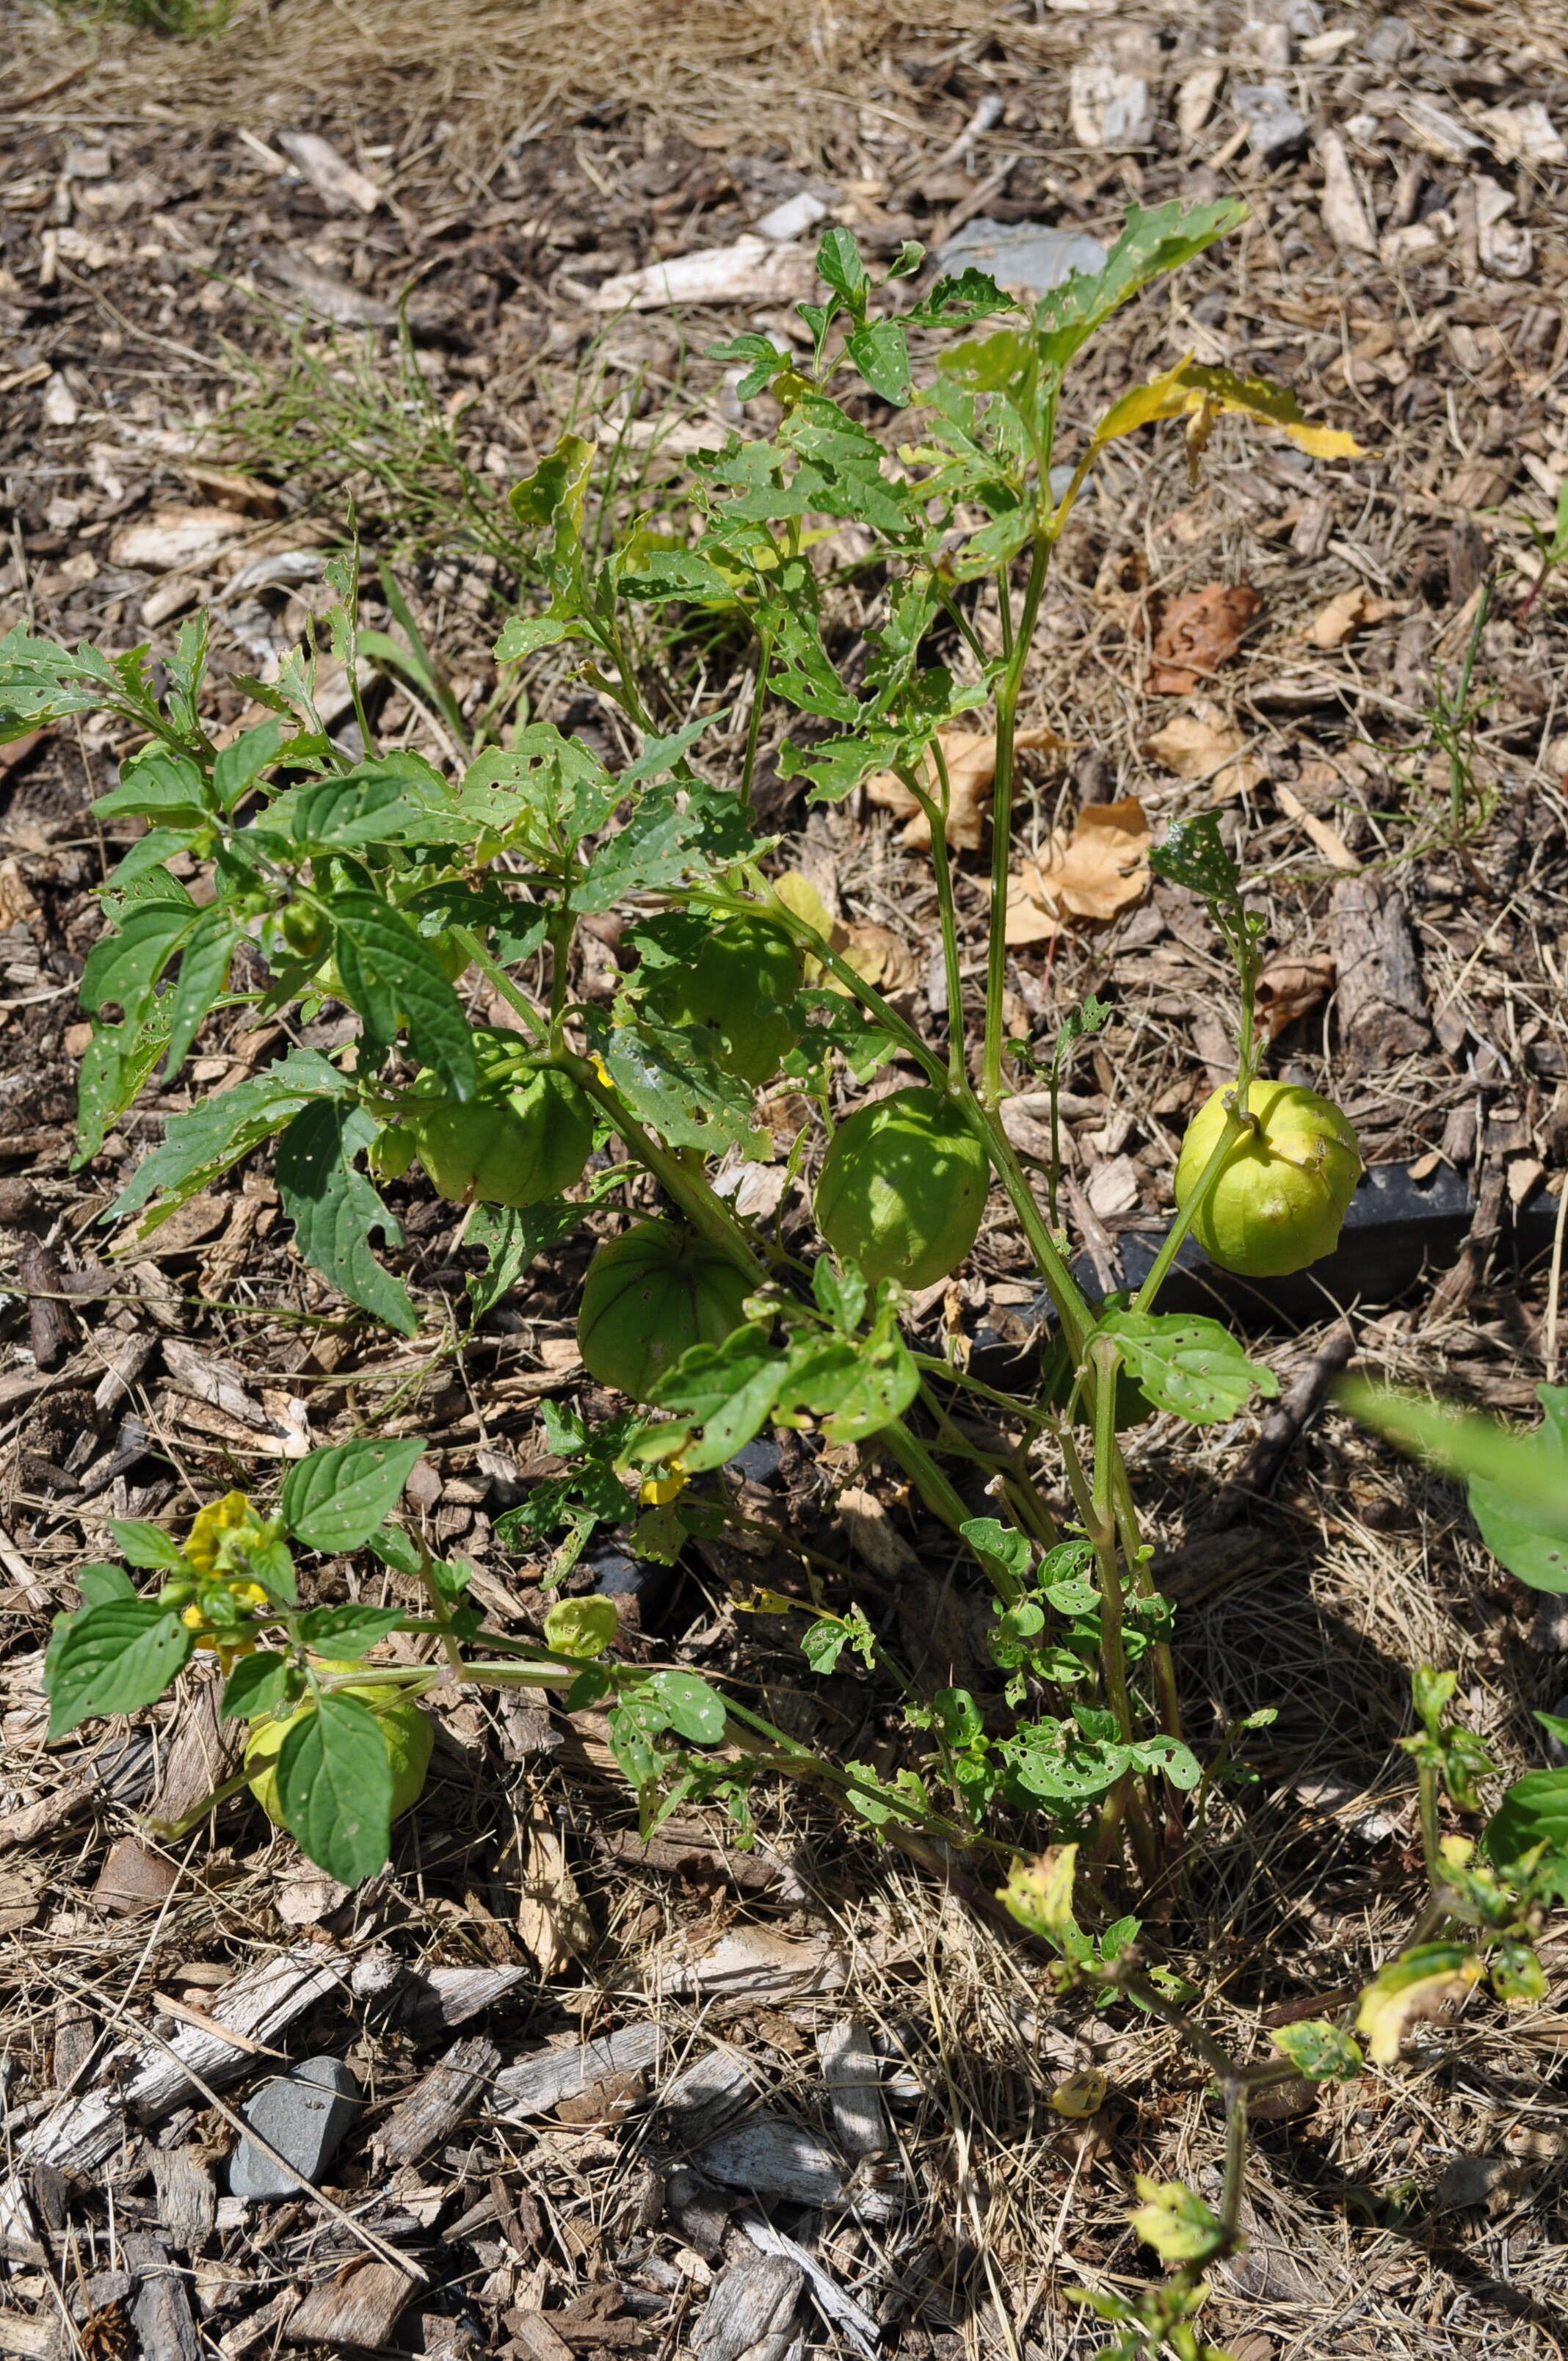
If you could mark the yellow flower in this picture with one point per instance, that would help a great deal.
(206, 1546)
(602, 1070)
(655, 1491)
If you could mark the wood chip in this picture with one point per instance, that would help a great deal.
(750, 2312)
(1382, 996)
(359, 2308)
(852, 2072)
(538, 2085)
(344, 186)
(439, 2102)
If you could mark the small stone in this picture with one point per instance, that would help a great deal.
(303, 2115)
(1388, 41)
(1467, 2181)
(792, 219)
(1273, 125)
(1024, 258)
(1109, 109)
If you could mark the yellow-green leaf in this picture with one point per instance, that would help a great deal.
(1418, 1985)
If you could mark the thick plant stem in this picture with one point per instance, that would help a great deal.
(754, 724)
(1106, 1360)
(1007, 694)
(927, 1478)
(936, 817)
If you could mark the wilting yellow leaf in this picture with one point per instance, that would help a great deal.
(1099, 870)
(1080, 2094)
(1199, 746)
(1420, 1984)
(971, 769)
(1200, 395)
(1038, 1894)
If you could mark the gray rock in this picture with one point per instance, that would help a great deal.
(303, 2115)
(1272, 124)
(1024, 258)
(1467, 2181)
(1388, 41)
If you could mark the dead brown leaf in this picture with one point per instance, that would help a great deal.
(1288, 987)
(971, 768)
(1346, 612)
(1099, 870)
(1199, 633)
(552, 1924)
(877, 956)
(1201, 746)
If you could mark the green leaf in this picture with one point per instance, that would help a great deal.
(839, 262)
(1320, 2050)
(690, 1708)
(350, 1631)
(881, 352)
(333, 1208)
(259, 1683)
(241, 763)
(513, 1239)
(146, 1544)
(1533, 1812)
(840, 1295)
(389, 972)
(1193, 854)
(98, 1584)
(581, 1627)
(1000, 1548)
(670, 1085)
(334, 1789)
(1521, 1479)
(335, 1499)
(365, 806)
(973, 294)
(114, 1658)
(161, 786)
(1150, 245)
(1174, 2220)
(1538, 1559)
(727, 1390)
(217, 1131)
(203, 972)
(824, 1643)
(125, 967)
(855, 1386)
(1186, 1363)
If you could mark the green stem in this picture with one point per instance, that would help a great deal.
(754, 725)
(936, 819)
(515, 998)
(927, 1478)
(1236, 1127)
(1007, 694)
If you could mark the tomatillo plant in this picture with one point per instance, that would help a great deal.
(370, 877)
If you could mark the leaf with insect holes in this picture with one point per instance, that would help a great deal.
(201, 1144)
(1320, 2050)
(203, 972)
(669, 1084)
(726, 1390)
(1193, 854)
(856, 1386)
(365, 806)
(1174, 2220)
(881, 352)
(1186, 1363)
(581, 1627)
(690, 1708)
(390, 974)
(334, 1208)
(125, 967)
(1150, 245)
(973, 294)
(334, 1789)
(114, 1658)
(335, 1499)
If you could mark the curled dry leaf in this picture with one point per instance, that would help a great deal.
(1099, 870)
(1346, 612)
(1200, 746)
(972, 767)
(1288, 987)
(877, 955)
(1199, 633)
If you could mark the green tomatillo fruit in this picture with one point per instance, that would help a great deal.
(734, 982)
(650, 1295)
(408, 1732)
(525, 1138)
(306, 931)
(1283, 1191)
(902, 1188)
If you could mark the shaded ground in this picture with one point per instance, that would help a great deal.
(152, 222)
